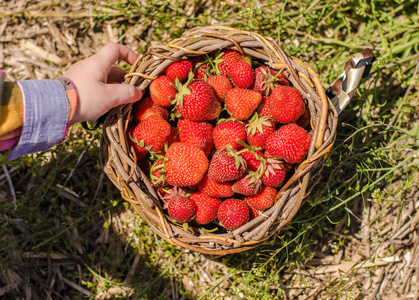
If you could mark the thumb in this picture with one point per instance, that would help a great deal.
(121, 93)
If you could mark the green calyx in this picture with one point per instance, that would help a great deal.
(222, 120)
(269, 82)
(256, 124)
(158, 181)
(182, 90)
(238, 160)
(216, 61)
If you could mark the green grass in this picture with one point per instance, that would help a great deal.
(374, 158)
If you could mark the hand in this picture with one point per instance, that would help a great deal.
(91, 77)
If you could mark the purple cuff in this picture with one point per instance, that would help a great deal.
(45, 116)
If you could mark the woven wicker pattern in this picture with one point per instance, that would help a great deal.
(120, 163)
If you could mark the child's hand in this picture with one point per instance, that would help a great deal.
(91, 77)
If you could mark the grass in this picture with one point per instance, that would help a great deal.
(65, 206)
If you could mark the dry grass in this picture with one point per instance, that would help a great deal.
(69, 236)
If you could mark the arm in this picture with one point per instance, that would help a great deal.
(51, 106)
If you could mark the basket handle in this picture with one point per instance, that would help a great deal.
(342, 90)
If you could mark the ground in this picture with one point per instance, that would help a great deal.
(66, 233)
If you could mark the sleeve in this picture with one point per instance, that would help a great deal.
(48, 108)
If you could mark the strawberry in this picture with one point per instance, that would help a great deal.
(200, 66)
(215, 189)
(274, 173)
(264, 199)
(146, 107)
(286, 104)
(233, 214)
(221, 85)
(196, 101)
(304, 120)
(241, 103)
(169, 192)
(226, 59)
(252, 161)
(249, 185)
(206, 207)
(152, 133)
(265, 111)
(287, 166)
(162, 90)
(140, 151)
(181, 209)
(290, 142)
(226, 165)
(180, 122)
(242, 74)
(227, 132)
(186, 164)
(197, 133)
(179, 69)
(157, 173)
(173, 136)
(258, 130)
(266, 79)
(253, 213)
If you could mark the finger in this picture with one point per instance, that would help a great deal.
(122, 93)
(112, 52)
(116, 74)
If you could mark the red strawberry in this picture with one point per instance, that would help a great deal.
(286, 104)
(206, 207)
(197, 102)
(233, 214)
(287, 166)
(290, 142)
(146, 107)
(266, 79)
(221, 85)
(226, 59)
(253, 213)
(264, 199)
(227, 132)
(241, 103)
(181, 209)
(304, 120)
(169, 192)
(242, 74)
(162, 90)
(197, 133)
(173, 136)
(152, 133)
(215, 189)
(258, 130)
(157, 173)
(249, 185)
(274, 173)
(265, 111)
(179, 69)
(252, 161)
(226, 165)
(186, 164)
(200, 67)
(140, 151)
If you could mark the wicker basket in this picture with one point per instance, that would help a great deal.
(120, 163)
